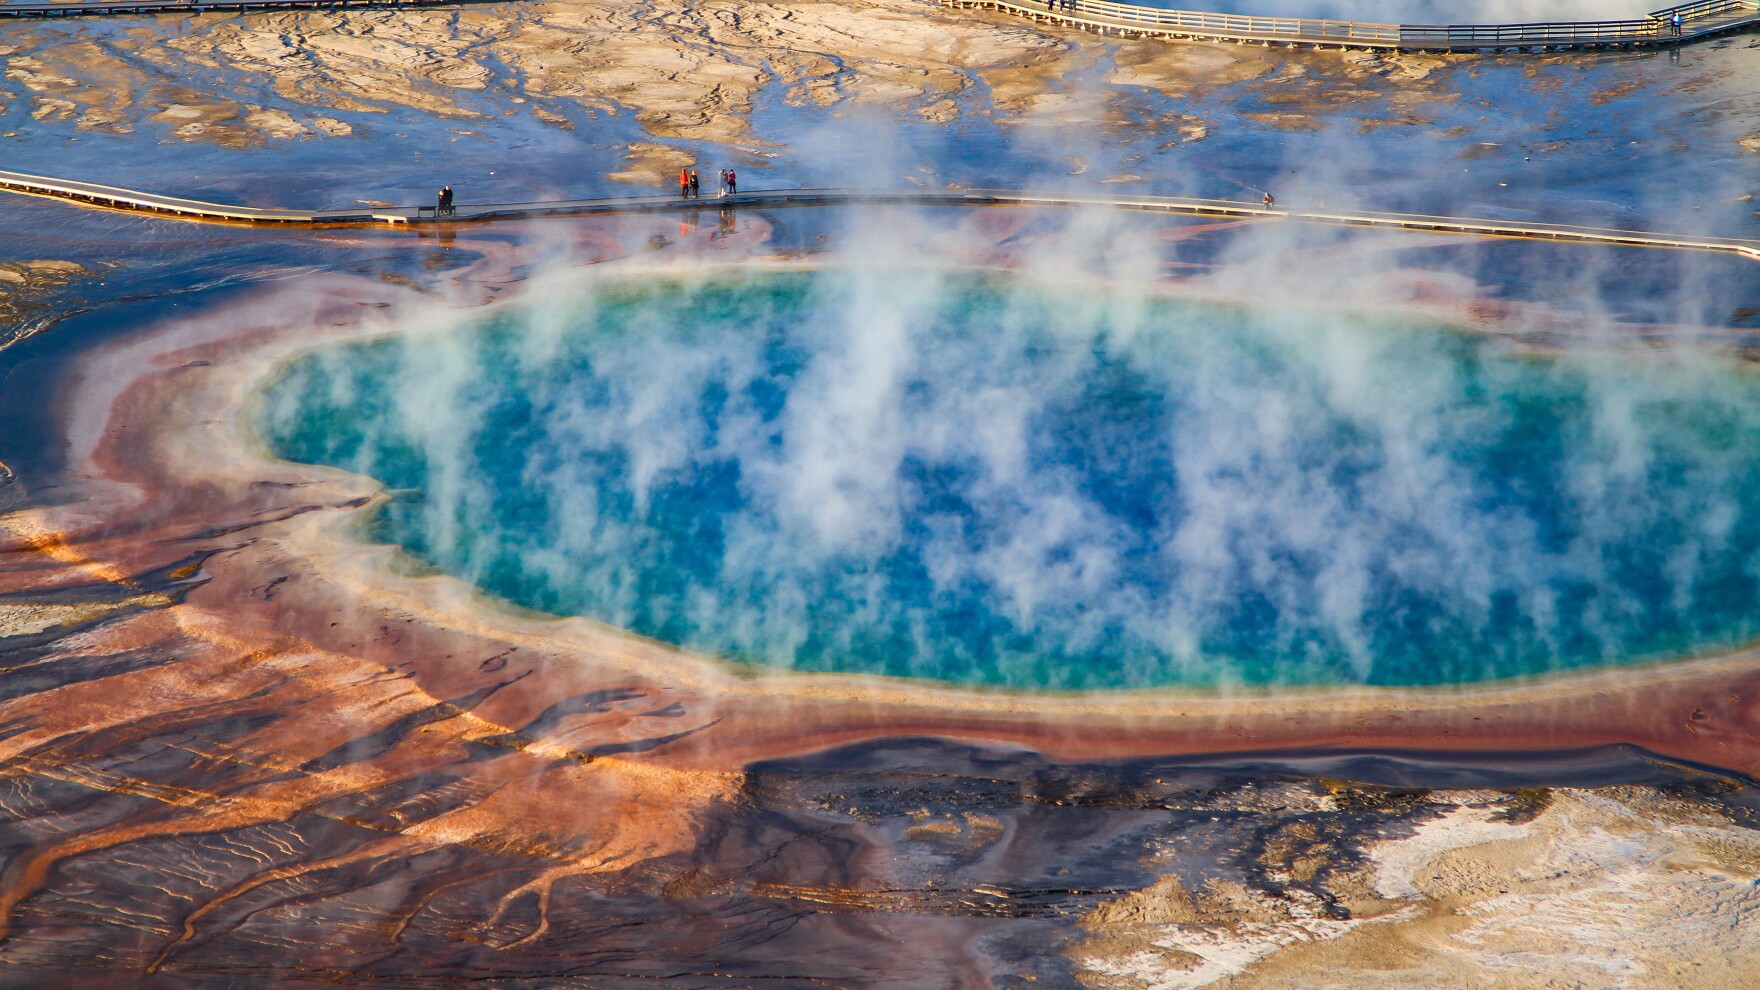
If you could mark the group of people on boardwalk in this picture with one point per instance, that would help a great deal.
(690, 187)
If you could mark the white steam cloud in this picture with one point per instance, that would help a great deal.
(1282, 486)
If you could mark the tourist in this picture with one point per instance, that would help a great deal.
(684, 183)
(723, 191)
(696, 190)
(1675, 21)
(732, 182)
(1270, 201)
(444, 208)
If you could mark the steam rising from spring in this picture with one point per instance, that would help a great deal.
(1032, 480)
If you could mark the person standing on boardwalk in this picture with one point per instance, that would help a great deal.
(696, 189)
(732, 182)
(684, 184)
(1270, 201)
(444, 206)
(1675, 21)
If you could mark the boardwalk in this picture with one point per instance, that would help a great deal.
(406, 216)
(1702, 19)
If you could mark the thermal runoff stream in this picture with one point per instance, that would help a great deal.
(995, 480)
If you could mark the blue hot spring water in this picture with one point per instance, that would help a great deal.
(982, 480)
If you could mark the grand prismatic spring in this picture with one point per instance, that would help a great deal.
(1198, 573)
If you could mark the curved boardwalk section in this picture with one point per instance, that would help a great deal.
(197, 210)
(172, 206)
(1699, 20)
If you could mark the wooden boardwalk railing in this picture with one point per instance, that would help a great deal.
(1700, 19)
(196, 210)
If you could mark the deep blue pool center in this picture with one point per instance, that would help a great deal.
(992, 481)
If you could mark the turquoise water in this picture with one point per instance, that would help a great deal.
(984, 481)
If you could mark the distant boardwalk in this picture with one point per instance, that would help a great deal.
(173, 207)
(1699, 20)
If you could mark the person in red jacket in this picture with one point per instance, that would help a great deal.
(684, 183)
